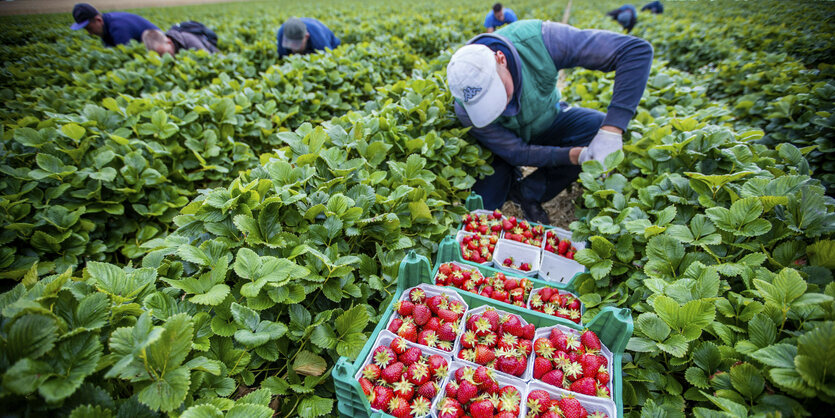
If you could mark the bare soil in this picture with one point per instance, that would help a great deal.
(560, 209)
(23, 7)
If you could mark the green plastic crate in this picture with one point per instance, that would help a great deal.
(613, 326)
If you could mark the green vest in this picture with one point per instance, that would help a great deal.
(539, 97)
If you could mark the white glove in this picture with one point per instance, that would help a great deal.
(603, 144)
(585, 155)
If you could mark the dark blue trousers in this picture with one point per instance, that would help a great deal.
(573, 127)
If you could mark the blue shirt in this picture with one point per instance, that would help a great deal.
(654, 7)
(320, 38)
(121, 27)
(491, 22)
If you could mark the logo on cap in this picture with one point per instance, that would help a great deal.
(470, 92)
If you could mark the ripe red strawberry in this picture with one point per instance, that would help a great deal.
(563, 246)
(482, 409)
(506, 414)
(482, 378)
(434, 324)
(543, 347)
(428, 338)
(367, 386)
(450, 408)
(399, 345)
(447, 315)
(447, 332)
(573, 371)
(451, 389)
(525, 346)
(538, 401)
(381, 397)
(602, 376)
(525, 267)
(399, 408)
(512, 325)
(408, 331)
(421, 314)
(590, 341)
(404, 307)
(395, 324)
(494, 319)
(411, 355)
(418, 373)
(569, 255)
(469, 339)
(435, 302)
(417, 295)
(484, 354)
(603, 392)
(590, 365)
(507, 364)
(428, 390)
(466, 391)
(554, 377)
(371, 372)
(420, 406)
(437, 365)
(384, 356)
(393, 372)
(404, 389)
(574, 305)
(540, 367)
(571, 407)
(586, 386)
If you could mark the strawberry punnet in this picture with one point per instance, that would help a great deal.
(497, 340)
(542, 405)
(428, 320)
(475, 392)
(407, 383)
(500, 287)
(573, 363)
(553, 302)
(558, 246)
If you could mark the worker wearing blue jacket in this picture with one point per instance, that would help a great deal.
(654, 7)
(626, 15)
(505, 90)
(114, 28)
(303, 36)
(497, 17)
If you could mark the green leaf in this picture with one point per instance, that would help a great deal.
(309, 364)
(727, 405)
(73, 131)
(314, 406)
(30, 336)
(90, 411)
(814, 360)
(653, 327)
(25, 376)
(706, 355)
(76, 358)
(247, 263)
(676, 345)
(778, 355)
(762, 331)
(202, 411)
(168, 392)
(173, 345)
(248, 410)
(822, 253)
(244, 316)
(747, 380)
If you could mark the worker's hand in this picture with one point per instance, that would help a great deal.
(604, 143)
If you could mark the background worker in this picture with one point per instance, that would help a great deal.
(626, 15)
(654, 7)
(497, 17)
(186, 35)
(505, 89)
(303, 36)
(114, 28)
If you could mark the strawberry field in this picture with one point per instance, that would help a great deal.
(209, 235)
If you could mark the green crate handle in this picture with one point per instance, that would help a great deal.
(473, 202)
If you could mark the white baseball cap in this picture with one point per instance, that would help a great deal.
(474, 80)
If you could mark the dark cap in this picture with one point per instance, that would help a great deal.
(82, 13)
(294, 33)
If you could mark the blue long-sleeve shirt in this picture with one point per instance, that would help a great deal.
(490, 20)
(569, 47)
(320, 37)
(654, 7)
(121, 27)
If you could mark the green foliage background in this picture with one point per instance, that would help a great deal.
(206, 235)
